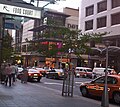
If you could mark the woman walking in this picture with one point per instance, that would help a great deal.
(8, 72)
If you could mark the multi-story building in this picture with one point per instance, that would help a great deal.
(72, 21)
(103, 16)
(34, 31)
(68, 18)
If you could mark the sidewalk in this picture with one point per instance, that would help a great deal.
(35, 95)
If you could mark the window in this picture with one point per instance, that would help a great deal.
(100, 80)
(89, 10)
(115, 3)
(102, 6)
(115, 19)
(111, 80)
(89, 25)
(101, 22)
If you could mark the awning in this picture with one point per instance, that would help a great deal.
(112, 50)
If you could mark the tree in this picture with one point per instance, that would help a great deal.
(7, 49)
(70, 39)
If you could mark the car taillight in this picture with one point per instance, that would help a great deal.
(41, 75)
(29, 74)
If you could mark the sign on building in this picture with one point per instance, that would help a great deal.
(20, 11)
(12, 24)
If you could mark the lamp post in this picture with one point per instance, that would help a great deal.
(105, 98)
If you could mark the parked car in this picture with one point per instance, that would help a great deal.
(96, 86)
(98, 71)
(32, 75)
(83, 72)
(55, 73)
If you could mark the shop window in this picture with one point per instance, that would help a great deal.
(101, 22)
(102, 6)
(115, 19)
(89, 25)
(89, 10)
(115, 3)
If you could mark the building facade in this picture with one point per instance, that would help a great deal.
(102, 16)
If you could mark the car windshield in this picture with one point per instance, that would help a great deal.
(89, 70)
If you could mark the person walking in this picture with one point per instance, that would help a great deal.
(13, 74)
(24, 76)
(8, 72)
(3, 73)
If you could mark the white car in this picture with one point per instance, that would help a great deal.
(98, 71)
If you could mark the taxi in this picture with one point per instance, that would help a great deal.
(33, 75)
(96, 86)
(42, 71)
(83, 72)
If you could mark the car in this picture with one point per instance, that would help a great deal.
(42, 71)
(96, 86)
(55, 73)
(83, 72)
(33, 75)
(19, 69)
(99, 71)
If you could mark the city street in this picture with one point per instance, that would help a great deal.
(47, 93)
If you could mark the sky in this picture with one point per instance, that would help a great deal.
(60, 4)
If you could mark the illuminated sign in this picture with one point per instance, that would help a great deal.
(20, 11)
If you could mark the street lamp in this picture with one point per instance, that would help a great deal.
(105, 98)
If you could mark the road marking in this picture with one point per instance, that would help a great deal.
(50, 83)
(75, 96)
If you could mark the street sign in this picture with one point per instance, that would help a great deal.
(11, 26)
(20, 11)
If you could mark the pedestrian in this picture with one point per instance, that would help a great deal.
(3, 73)
(8, 72)
(24, 76)
(14, 72)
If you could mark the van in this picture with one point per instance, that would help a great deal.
(97, 71)
(83, 72)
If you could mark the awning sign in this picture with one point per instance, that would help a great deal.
(14, 10)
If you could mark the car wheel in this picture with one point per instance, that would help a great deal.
(116, 97)
(84, 91)
(38, 80)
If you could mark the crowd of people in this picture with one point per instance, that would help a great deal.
(8, 74)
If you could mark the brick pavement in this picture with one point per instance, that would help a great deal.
(36, 95)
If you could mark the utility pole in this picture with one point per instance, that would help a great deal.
(105, 98)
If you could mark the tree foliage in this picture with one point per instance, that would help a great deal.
(6, 47)
(74, 40)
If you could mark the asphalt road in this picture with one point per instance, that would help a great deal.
(56, 85)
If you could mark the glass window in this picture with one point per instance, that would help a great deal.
(115, 3)
(111, 80)
(89, 70)
(102, 6)
(101, 22)
(100, 80)
(89, 10)
(89, 25)
(115, 19)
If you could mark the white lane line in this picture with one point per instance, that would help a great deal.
(75, 96)
(52, 83)
(79, 82)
